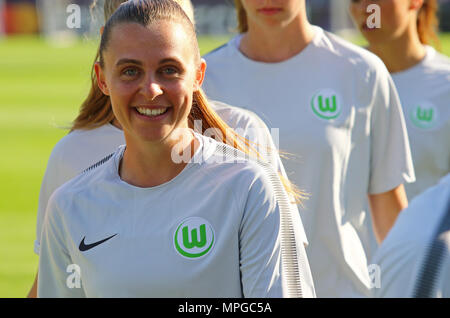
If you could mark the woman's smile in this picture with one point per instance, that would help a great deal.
(156, 113)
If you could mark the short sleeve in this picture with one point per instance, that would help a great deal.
(263, 140)
(57, 274)
(273, 261)
(390, 162)
(56, 174)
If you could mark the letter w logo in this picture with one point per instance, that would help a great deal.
(194, 242)
(327, 107)
(424, 115)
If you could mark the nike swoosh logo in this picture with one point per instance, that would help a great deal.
(84, 247)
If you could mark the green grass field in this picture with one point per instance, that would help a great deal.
(41, 88)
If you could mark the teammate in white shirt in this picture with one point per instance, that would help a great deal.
(414, 259)
(338, 111)
(421, 76)
(142, 222)
(96, 133)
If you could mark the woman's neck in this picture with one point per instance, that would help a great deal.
(151, 164)
(276, 44)
(401, 53)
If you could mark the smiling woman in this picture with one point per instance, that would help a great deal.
(139, 224)
(151, 90)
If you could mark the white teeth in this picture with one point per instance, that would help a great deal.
(151, 112)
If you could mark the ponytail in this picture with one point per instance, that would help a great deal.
(96, 109)
(202, 111)
(428, 23)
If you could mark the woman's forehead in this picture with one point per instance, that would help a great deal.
(161, 31)
(157, 39)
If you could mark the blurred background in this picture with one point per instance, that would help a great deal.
(45, 61)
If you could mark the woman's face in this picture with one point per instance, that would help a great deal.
(272, 13)
(150, 74)
(395, 17)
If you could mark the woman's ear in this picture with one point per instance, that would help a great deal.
(200, 75)
(101, 78)
(102, 28)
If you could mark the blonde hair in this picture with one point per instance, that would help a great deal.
(428, 23)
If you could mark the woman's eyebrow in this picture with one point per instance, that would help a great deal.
(169, 60)
(128, 61)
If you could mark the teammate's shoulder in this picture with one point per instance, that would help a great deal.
(79, 138)
(224, 50)
(89, 177)
(234, 114)
(437, 63)
(347, 52)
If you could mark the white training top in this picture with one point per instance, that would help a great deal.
(223, 227)
(81, 148)
(424, 92)
(402, 254)
(338, 111)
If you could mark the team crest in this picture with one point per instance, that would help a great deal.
(424, 115)
(326, 104)
(194, 238)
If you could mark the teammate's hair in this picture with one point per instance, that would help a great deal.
(242, 26)
(428, 23)
(96, 111)
(109, 7)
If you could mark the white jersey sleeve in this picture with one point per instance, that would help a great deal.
(58, 276)
(273, 261)
(55, 175)
(390, 159)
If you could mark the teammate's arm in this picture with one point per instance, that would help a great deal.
(33, 290)
(385, 208)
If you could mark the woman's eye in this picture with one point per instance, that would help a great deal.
(130, 72)
(169, 70)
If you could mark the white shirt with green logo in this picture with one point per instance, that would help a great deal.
(81, 148)
(424, 92)
(339, 115)
(220, 228)
(405, 253)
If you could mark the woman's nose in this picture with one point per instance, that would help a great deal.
(152, 89)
